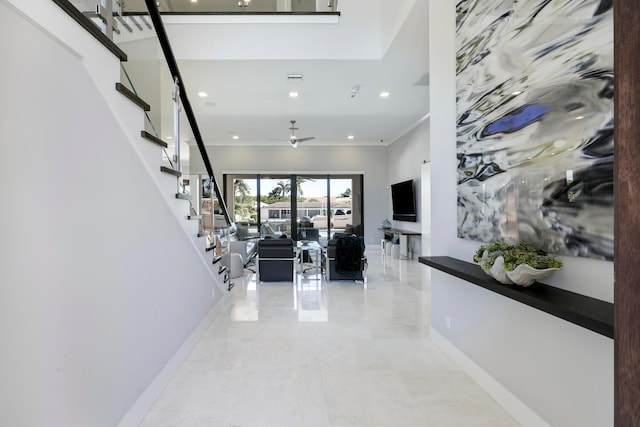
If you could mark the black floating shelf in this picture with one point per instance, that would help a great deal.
(217, 259)
(203, 234)
(590, 313)
(183, 196)
(222, 269)
(210, 248)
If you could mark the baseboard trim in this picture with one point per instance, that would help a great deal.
(514, 406)
(145, 401)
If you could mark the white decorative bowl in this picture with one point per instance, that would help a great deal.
(525, 275)
(499, 273)
(485, 254)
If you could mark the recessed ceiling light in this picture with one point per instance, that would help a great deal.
(293, 94)
(384, 94)
(236, 137)
(350, 137)
(202, 94)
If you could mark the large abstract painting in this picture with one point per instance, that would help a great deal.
(535, 123)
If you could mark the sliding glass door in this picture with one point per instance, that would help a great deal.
(275, 205)
(245, 203)
(346, 204)
(304, 207)
(311, 207)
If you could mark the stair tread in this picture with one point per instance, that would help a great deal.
(146, 135)
(132, 96)
(170, 171)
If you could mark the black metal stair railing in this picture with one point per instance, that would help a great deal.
(89, 21)
(161, 33)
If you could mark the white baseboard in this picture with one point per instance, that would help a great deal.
(514, 406)
(143, 404)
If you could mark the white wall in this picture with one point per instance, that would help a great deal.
(562, 372)
(100, 285)
(406, 158)
(368, 160)
(393, 16)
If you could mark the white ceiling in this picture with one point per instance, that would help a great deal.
(243, 66)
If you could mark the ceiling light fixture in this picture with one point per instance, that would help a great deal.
(202, 94)
(236, 137)
(354, 91)
(293, 94)
(294, 77)
(384, 94)
(350, 137)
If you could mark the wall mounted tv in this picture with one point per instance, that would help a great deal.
(403, 199)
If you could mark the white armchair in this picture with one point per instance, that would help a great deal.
(241, 242)
(245, 248)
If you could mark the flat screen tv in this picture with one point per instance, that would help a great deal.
(403, 199)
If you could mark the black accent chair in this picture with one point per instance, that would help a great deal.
(345, 259)
(309, 234)
(276, 260)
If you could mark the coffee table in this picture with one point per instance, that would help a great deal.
(313, 247)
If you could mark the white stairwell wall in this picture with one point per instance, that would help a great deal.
(101, 283)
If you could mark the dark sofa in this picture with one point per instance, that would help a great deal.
(276, 260)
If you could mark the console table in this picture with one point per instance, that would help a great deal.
(403, 236)
(581, 310)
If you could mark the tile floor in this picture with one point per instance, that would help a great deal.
(317, 354)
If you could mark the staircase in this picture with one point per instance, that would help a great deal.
(103, 268)
(180, 202)
(151, 151)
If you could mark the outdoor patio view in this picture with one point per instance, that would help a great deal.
(303, 207)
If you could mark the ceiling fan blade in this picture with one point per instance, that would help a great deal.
(305, 139)
(292, 139)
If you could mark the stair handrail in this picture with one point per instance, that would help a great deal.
(174, 166)
(161, 33)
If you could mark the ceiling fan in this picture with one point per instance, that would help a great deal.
(293, 140)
